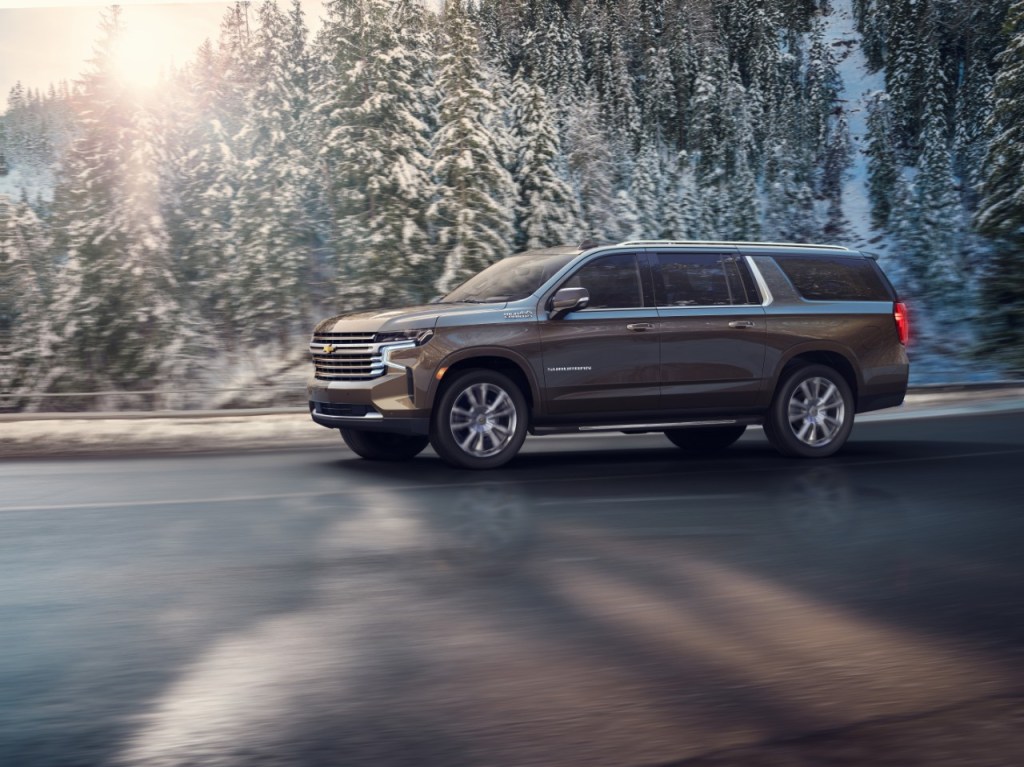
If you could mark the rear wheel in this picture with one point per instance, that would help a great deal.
(705, 439)
(380, 446)
(479, 421)
(812, 413)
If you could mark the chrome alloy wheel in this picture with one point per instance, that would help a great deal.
(483, 419)
(816, 411)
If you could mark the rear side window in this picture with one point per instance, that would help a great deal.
(835, 278)
(702, 279)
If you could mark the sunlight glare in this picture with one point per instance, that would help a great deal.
(144, 56)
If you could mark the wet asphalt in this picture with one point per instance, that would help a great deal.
(600, 601)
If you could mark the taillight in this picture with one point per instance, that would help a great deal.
(899, 313)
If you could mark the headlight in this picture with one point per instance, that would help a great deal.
(418, 337)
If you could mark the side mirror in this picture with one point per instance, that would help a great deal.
(568, 300)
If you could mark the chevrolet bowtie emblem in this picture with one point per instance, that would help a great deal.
(328, 348)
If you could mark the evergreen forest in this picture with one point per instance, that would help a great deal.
(282, 175)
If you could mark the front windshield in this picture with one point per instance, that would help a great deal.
(510, 279)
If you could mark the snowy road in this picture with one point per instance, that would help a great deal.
(599, 602)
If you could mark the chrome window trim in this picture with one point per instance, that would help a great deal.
(767, 297)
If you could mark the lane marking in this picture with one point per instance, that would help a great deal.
(650, 499)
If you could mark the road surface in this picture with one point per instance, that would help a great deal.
(600, 601)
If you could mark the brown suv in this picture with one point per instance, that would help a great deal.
(695, 339)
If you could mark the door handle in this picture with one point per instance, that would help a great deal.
(639, 327)
(741, 324)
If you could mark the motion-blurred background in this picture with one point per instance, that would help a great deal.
(179, 205)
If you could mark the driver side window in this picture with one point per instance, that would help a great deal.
(613, 282)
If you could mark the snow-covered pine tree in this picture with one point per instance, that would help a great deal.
(235, 64)
(872, 23)
(743, 211)
(938, 264)
(682, 212)
(904, 72)
(592, 168)
(115, 310)
(553, 60)
(207, 172)
(821, 89)
(658, 96)
(26, 275)
(837, 158)
(475, 196)
(546, 212)
(620, 96)
(1001, 207)
(789, 211)
(883, 164)
(271, 227)
(377, 109)
(624, 222)
(646, 190)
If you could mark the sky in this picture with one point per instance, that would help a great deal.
(42, 43)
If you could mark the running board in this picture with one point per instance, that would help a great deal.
(641, 427)
(655, 426)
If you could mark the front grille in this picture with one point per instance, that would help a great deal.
(343, 338)
(354, 357)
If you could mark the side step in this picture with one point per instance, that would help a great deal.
(641, 428)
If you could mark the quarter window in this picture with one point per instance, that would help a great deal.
(613, 282)
(835, 278)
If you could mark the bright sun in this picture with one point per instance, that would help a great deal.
(143, 56)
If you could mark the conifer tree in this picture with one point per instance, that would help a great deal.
(377, 114)
(937, 262)
(883, 165)
(1001, 208)
(681, 206)
(904, 74)
(547, 210)
(836, 161)
(271, 229)
(26, 276)
(645, 189)
(116, 296)
(473, 211)
(592, 169)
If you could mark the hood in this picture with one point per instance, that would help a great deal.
(407, 317)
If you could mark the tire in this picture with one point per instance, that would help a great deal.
(705, 439)
(479, 421)
(811, 414)
(381, 446)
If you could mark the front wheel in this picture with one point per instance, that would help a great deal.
(479, 421)
(697, 440)
(812, 413)
(380, 446)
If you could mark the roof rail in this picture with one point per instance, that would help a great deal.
(731, 242)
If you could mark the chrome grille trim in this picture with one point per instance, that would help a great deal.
(355, 357)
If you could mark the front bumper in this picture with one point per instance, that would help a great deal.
(382, 404)
(371, 420)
